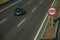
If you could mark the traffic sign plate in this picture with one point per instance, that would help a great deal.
(52, 11)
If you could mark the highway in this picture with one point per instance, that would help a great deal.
(26, 26)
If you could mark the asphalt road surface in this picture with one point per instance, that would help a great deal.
(26, 26)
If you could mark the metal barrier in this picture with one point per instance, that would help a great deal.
(56, 36)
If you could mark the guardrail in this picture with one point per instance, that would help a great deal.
(56, 32)
(44, 26)
(57, 29)
(40, 37)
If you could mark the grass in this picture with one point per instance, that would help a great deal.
(2, 1)
(49, 32)
(57, 6)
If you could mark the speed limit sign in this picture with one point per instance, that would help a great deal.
(52, 11)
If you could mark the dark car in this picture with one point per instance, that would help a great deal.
(19, 11)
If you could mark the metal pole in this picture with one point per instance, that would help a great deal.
(52, 21)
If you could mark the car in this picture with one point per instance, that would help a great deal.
(19, 11)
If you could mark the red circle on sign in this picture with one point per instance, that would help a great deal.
(49, 10)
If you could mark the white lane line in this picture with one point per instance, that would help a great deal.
(40, 27)
(53, 3)
(35, 38)
(29, 2)
(34, 9)
(10, 5)
(45, 26)
(41, 1)
(3, 20)
(21, 22)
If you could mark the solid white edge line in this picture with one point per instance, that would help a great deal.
(3, 20)
(40, 27)
(45, 27)
(29, 2)
(34, 9)
(10, 5)
(21, 22)
(35, 38)
(53, 3)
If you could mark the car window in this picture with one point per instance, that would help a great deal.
(18, 9)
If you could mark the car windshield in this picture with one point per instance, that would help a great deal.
(18, 9)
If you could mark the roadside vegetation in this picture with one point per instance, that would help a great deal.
(3, 1)
(49, 32)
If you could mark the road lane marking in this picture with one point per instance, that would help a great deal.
(10, 5)
(41, 1)
(21, 22)
(53, 3)
(34, 9)
(35, 38)
(3, 20)
(29, 2)
(45, 26)
(40, 27)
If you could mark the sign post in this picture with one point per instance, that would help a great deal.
(52, 12)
